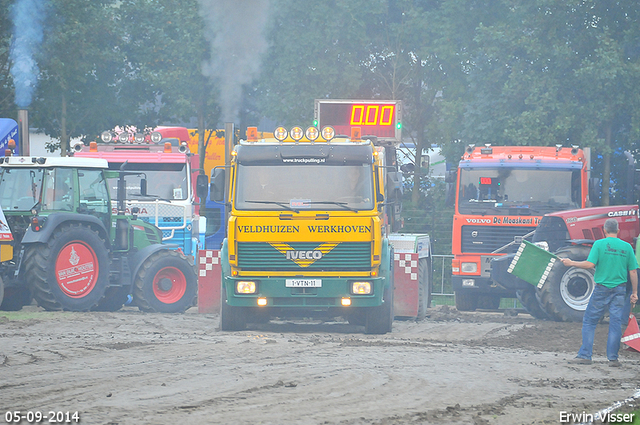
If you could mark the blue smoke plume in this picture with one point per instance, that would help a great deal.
(28, 19)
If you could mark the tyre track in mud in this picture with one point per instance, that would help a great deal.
(130, 367)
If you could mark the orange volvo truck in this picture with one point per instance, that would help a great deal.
(501, 194)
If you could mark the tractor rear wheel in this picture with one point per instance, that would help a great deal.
(165, 283)
(567, 290)
(529, 301)
(70, 271)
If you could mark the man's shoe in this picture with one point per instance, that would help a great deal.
(614, 363)
(579, 360)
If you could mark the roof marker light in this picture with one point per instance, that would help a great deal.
(297, 133)
(106, 136)
(156, 137)
(280, 133)
(93, 147)
(167, 147)
(312, 133)
(328, 133)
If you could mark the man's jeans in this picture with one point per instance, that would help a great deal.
(600, 299)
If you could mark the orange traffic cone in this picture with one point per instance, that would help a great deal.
(631, 336)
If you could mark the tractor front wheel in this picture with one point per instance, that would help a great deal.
(165, 283)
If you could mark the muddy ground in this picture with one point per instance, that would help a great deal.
(130, 367)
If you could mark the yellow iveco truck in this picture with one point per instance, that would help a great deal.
(305, 230)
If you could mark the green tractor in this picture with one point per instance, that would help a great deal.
(70, 251)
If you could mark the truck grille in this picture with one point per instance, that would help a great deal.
(486, 239)
(346, 256)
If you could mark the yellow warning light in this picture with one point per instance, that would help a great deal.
(297, 133)
(280, 133)
(312, 133)
(93, 147)
(328, 133)
(346, 302)
(262, 302)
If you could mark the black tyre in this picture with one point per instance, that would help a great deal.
(466, 300)
(566, 292)
(1, 291)
(357, 318)
(114, 298)
(379, 320)
(529, 301)
(231, 318)
(165, 283)
(488, 302)
(424, 288)
(15, 298)
(70, 271)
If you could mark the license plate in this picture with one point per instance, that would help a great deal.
(303, 283)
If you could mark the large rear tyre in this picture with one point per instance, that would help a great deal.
(15, 298)
(166, 283)
(566, 293)
(231, 318)
(70, 271)
(466, 300)
(529, 301)
(424, 288)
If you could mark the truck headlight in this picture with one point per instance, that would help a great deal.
(469, 267)
(245, 287)
(361, 288)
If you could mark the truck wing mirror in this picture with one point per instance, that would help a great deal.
(217, 185)
(202, 183)
(449, 198)
(143, 187)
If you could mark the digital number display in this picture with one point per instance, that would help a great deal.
(379, 119)
(485, 180)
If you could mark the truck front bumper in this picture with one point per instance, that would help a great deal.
(480, 285)
(330, 294)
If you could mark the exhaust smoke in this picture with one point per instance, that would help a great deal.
(28, 19)
(235, 31)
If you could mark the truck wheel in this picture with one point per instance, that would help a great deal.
(379, 320)
(529, 301)
(70, 271)
(113, 300)
(488, 302)
(424, 288)
(231, 318)
(1, 291)
(165, 283)
(565, 295)
(466, 300)
(15, 298)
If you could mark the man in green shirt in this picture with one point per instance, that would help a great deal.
(612, 259)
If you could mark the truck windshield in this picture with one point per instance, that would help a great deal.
(518, 191)
(309, 187)
(164, 181)
(20, 188)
